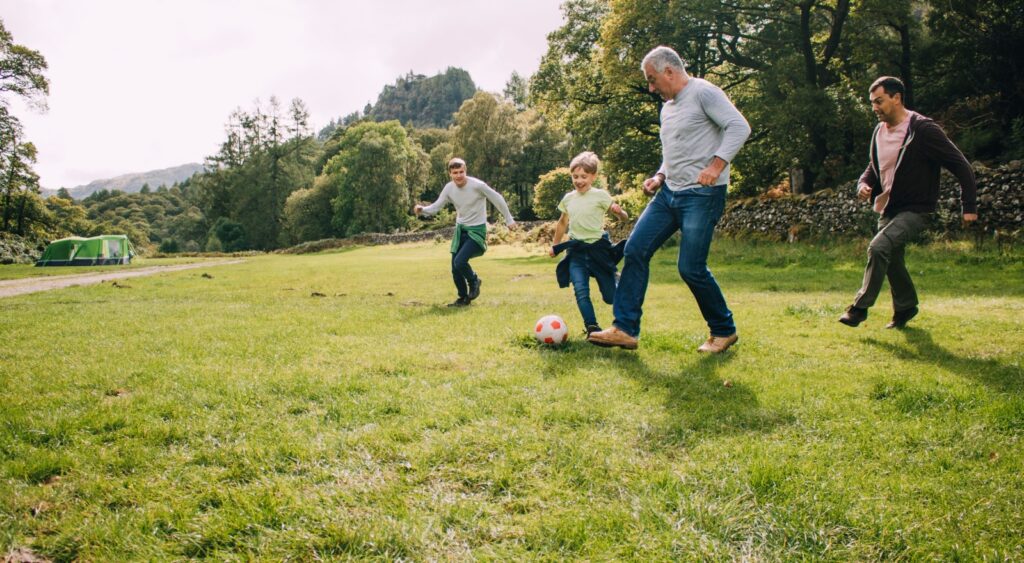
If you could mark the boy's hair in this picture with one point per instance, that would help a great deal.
(586, 160)
(456, 163)
(891, 85)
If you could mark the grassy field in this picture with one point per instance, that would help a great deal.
(329, 406)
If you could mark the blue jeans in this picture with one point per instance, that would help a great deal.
(580, 274)
(462, 273)
(694, 213)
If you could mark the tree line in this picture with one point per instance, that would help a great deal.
(798, 70)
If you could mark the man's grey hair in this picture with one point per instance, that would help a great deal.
(661, 57)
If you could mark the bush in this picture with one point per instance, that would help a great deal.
(549, 191)
(169, 246)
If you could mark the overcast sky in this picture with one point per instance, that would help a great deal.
(138, 85)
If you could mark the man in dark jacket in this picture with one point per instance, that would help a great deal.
(902, 182)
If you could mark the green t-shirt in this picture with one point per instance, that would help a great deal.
(586, 213)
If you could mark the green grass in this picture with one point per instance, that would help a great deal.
(330, 407)
(19, 271)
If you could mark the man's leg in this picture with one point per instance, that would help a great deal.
(462, 273)
(904, 295)
(699, 212)
(893, 235)
(652, 229)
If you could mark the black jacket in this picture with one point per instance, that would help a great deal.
(915, 187)
(603, 257)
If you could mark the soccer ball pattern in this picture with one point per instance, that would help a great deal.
(551, 330)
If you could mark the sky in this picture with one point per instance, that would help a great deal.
(140, 85)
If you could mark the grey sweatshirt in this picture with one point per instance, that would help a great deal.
(470, 202)
(698, 125)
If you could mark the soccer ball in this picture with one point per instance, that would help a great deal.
(551, 330)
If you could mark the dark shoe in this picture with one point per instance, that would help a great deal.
(718, 344)
(593, 328)
(474, 288)
(613, 337)
(901, 318)
(460, 302)
(853, 316)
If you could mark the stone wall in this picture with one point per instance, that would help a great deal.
(838, 213)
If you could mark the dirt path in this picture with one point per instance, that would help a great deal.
(10, 288)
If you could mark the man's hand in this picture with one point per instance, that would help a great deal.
(551, 252)
(652, 184)
(710, 175)
(864, 192)
(513, 226)
(417, 209)
(970, 217)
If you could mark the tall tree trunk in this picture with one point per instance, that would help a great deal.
(21, 213)
(9, 184)
(905, 69)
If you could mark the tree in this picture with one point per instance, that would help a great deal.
(788, 65)
(21, 74)
(308, 212)
(265, 157)
(972, 72)
(517, 91)
(487, 136)
(378, 174)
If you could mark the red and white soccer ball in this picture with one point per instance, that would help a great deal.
(551, 330)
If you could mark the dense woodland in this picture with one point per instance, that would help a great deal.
(798, 69)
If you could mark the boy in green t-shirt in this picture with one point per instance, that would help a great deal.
(590, 252)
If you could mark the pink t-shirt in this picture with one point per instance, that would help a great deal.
(889, 141)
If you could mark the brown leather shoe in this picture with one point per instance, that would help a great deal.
(613, 337)
(901, 318)
(718, 344)
(853, 316)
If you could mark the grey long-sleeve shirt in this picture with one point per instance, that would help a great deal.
(470, 202)
(698, 125)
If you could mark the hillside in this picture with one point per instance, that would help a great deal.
(131, 183)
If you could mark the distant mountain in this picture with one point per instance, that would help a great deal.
(131, 183)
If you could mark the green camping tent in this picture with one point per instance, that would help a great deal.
(95, 251)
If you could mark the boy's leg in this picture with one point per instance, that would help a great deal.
(462, 273)
(606, 284)
(579, 275)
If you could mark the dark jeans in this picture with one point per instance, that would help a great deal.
(694, 213)
(580, 274)
(462, 273)
(886, 260)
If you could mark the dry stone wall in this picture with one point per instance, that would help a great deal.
(838, 213)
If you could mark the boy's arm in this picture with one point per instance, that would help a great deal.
(433, 208)
(560, 228)
(619, 212)
(498, 201)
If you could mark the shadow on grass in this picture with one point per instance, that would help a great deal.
(921, 348)
(698, 403)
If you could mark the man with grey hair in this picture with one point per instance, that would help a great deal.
(701, 132)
